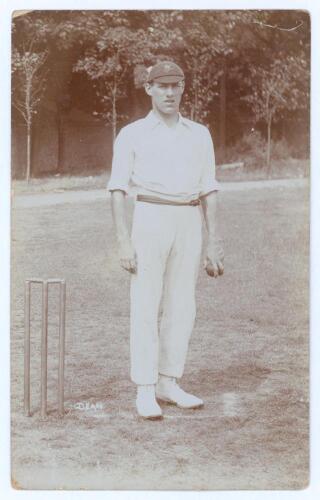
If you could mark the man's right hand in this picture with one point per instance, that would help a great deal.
(127, 256)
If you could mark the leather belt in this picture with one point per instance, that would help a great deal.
(161, 201)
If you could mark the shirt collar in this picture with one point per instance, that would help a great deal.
(155, 120)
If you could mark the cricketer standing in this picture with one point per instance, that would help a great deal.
(169, 161)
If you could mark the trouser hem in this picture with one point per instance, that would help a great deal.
(171, 372)
(144, 381)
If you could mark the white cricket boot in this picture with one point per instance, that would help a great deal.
(146, 402)
(168, 390)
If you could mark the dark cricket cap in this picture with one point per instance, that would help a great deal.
(166, 72)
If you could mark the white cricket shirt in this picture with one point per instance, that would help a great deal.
(175, 163)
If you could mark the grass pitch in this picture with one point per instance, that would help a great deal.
(248, 356)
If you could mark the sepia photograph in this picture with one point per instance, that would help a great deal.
(160, 219)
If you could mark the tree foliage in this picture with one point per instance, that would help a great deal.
(108, 64)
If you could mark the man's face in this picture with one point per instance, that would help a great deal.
(165, 97)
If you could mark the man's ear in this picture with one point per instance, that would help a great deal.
(147, 88)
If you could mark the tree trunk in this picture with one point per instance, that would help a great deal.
(195, 106)
(192, 112)
(223, 94)
(60, 140)
(269, 148)
(29, 124)
(114, 109)
(114, 119)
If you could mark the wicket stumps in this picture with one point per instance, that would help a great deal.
(44, 344)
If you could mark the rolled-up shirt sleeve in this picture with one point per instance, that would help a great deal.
(122, 162)
(208, 182)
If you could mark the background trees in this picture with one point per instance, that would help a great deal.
(277, 88)
(109, 64)
(243, 69)
(29, 75)
(28, 87)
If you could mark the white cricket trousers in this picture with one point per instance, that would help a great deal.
(167, 240)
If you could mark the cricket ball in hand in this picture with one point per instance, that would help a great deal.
(210, 269)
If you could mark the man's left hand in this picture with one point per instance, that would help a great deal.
(214, 260)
